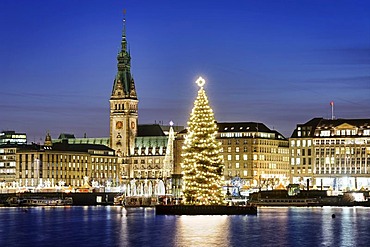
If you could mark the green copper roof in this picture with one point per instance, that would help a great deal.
(124, 85)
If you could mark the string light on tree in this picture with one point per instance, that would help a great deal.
(203, 163)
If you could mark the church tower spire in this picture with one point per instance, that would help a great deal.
(123, 103)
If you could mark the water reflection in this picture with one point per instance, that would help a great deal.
(116, 226)
(202, 231)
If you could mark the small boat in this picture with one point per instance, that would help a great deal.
(45, 201)
(283, 202)
(136, 201)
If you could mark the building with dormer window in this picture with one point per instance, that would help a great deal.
(253, 153)
(331, 153)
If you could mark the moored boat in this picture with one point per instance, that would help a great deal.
(282, 202)
(45, 201)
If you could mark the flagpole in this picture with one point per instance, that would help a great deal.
(332, 110)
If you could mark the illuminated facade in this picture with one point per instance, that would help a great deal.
(50, 164)
(331, 154)
(11, 137)
(256, 154)
(7, 164)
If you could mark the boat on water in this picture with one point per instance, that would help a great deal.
(20, 202)
(282, 202)
(141, 201)
(205, 210)
(281, 198)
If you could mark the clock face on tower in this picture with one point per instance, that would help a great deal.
(119, 125)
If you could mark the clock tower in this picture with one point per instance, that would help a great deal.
(123, 104)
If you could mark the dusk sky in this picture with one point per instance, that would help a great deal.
(276, 62)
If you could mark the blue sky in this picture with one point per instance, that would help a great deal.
(276, 62)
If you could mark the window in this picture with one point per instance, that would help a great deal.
(298, 161)
(237, 149)
(325, 133)
(237, 166)
(229, 157)
(237, 157)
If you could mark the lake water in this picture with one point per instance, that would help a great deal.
(116, 226)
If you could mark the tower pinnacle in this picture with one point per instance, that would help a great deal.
(124, 42)
(124, 85)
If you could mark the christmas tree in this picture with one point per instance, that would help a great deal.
(203, 163)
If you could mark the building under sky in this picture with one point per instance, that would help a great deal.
(276, 62)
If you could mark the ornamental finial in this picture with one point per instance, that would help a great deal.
(200, 81)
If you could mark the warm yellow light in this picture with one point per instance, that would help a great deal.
(200, 81)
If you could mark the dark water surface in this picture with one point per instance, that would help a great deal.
(116, 226)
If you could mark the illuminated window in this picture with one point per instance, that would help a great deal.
(308, 143)
(325, 133)
(298, 161)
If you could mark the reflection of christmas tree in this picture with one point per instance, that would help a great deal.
(203, 163)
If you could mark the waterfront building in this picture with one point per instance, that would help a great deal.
(331, 154)
(255, 155)
(11, 137)
(67, 164)
(8, 164)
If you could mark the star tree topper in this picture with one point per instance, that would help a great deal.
(200, 81)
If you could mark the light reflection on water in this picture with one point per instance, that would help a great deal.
(116, 226)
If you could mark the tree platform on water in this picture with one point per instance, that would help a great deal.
(205, 210)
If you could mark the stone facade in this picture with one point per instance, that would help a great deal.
(331, 153)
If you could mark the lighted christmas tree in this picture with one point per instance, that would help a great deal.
(203, 163)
